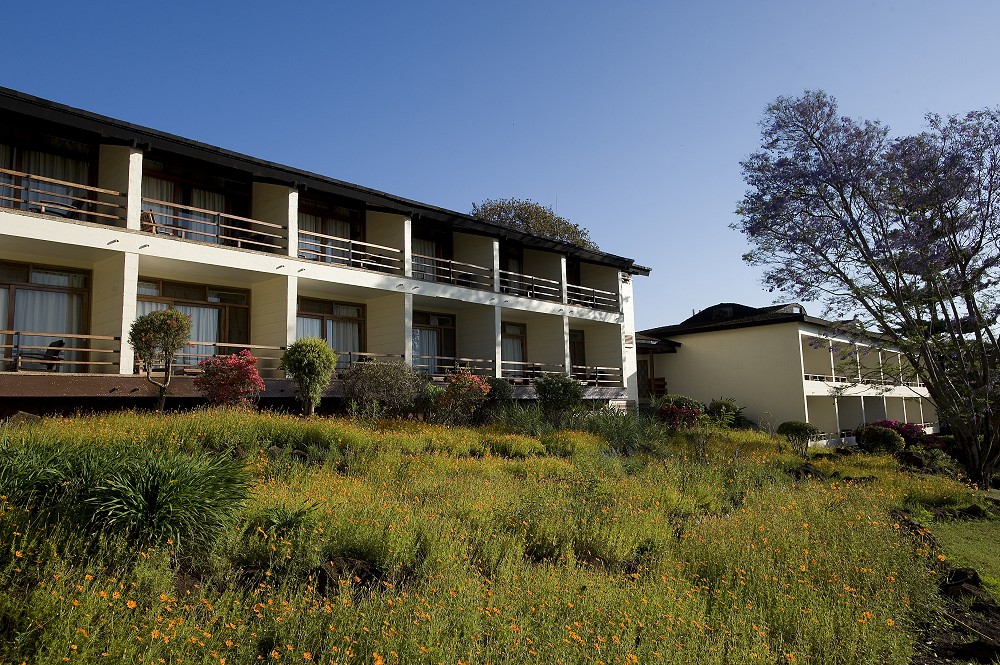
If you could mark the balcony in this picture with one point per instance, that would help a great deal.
(350, 253)
(59, 198)
(446, 271)
(598, 377)
(518, 372)
(826, 378)
(27, 351)
(186, 362)
(588, 297)
(438, 368)
(211, 226)
(527, 286)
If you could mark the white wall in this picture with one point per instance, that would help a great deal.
(476, 333)
(112, 311)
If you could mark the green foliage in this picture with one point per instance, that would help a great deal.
(462, 399)
(876, 439)
(391, 388)
(798, 434)
(558, 396)
(521, 418)
(725, 412)
(310, 363)
(534, 218)
(625, 433)
(678, 400)
(156, 338)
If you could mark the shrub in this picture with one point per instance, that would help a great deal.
(427, 399)
(876, 439)
(558, 396)
(500, 396)
(230, 381)
(678, 400)
(310, 363)
(517, 418)
(156, 338)
(625, 433)
(462, 399)
(798, 434)
(389, 388)
(912, 433)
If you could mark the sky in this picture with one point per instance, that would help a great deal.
(628, 118)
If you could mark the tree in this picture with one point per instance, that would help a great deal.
(901, 234)
(156, 338)
(530, 217)
(310, 363)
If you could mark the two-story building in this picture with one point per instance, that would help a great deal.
(102, 221)
(781, 364)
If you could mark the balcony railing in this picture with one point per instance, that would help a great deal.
(347, 359)
(190, 223)
(69, 200)
(439, 367)
(469, 275)
(826, 378)
(600, 377)
(186, 362)
(349, 253)
(16, 355)
(528, 286)
(525, 372)
(588, 297)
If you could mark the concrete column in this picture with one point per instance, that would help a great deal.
(273, 308)
(408, 268)
(566, 357)
(496, 266)
(278, 204)
(115, 282)
(630, 370)
(408, 319)
(497, 331)
(120, 169)
(562, 277)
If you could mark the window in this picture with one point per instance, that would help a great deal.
(220, 317)
(340, 325)
(43, 300)
(326, 230)
(66, 161)
(513, 349)
(577, 349)
(429, 245)
(433, 342)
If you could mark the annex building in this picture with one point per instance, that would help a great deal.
(102, 221)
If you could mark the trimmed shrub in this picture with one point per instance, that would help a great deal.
(876, 439)
(156, 338)
(310, 363)
(678, 400)
(558, 396)
(387, 388)
(912, 433)
(230, 381)
(798, 434)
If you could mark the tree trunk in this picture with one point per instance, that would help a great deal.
(161, 399)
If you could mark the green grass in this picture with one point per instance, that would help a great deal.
(480, 546)
(972, 543)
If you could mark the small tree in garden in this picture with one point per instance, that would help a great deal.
(558, 395)
(798, 434)
(462, 399)
(230, 381)
(310, 363)
(156, 338)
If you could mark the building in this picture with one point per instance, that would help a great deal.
(782, 364)
(102, 221)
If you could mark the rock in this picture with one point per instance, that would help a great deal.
(806, 471)
(960, 591)
(909, 458)
(860, 480)
(974, 512)
(980, 651)
(22, 418)
(963, 576)
(357, 571)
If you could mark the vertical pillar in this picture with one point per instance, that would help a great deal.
(563, 278)
(630, 369)
(408, 319)
(408, 260)
(115, 282)
(498, 332)
(120, 169)
(273, 309)
(278, 204)
(567, 361)
(496, 265)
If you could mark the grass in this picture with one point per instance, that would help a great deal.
(972, 543)
(410, 543)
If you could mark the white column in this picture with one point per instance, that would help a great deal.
(496, 265)
(408, 262)
(278, 204)
(562, 277)
(408, 318)
(630, 370)
(120, 169)
(115, 282)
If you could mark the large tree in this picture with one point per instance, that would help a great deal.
(531, 217)
(899, 233)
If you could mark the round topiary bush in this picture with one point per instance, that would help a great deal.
(798, 434)
(876, 439)
(310, 363)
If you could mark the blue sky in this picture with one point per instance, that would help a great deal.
(629, 118)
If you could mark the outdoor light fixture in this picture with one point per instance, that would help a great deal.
(143, 246)
(111, 242)
(279, 267)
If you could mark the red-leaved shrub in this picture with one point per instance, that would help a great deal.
(230, 380)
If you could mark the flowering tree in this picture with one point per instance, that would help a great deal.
(900, 234)
(156, 338)
(231, 380)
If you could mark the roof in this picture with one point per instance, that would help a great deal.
(727, 316)
(112, 130)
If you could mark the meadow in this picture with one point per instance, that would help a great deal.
(232, 537)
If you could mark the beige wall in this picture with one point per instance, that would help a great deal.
(112, 310)
(477, 250)
(277, 204)
(476, 333)
(120, 169)
(758, 366)
(599, 277)
(543, 264)
(382, 228)
(387, 332)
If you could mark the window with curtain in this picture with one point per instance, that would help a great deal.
(340, 325)
(6, 179)
(55, 198)
(4, 323)
(191, 225)
(512, 349)
(424, 268)
(433, 342)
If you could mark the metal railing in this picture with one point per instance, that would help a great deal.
(59, 198)
(588, 297)
(438, 368)
(527, 286)
(186, 362)
(349, 253)
(17, 356)
(525, 372)
(826, 378)
(600, 377)
(469, 275)
(347, 359)
(212, 226)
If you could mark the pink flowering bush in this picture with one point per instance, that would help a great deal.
(230, 380)
(912, 433)
(462, 399)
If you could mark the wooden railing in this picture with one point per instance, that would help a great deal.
(190, 223)
(525, 372)
(347, 359)
(349, 253)
(529, 286)
(186, 362)
(26, 191)
(439, 367)
(588, 297)
(16, 356)
(600, 377)
(452, 272)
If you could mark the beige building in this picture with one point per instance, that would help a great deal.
(102, 221)
(780, 363)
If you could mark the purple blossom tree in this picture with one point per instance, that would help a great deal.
(899, 235)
